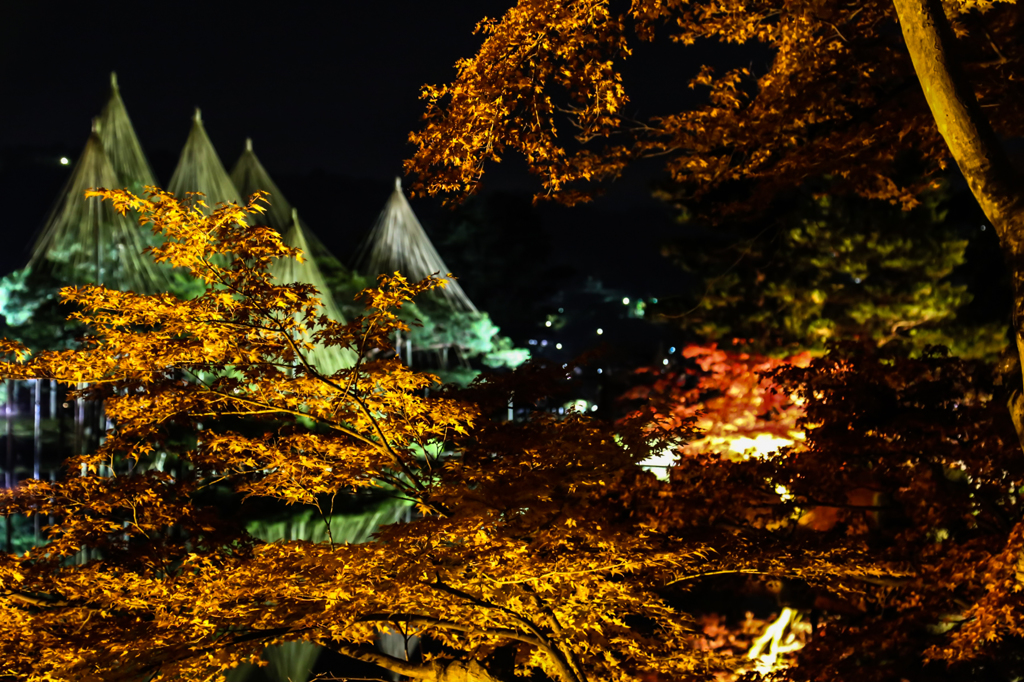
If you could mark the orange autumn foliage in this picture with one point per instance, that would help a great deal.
(812, 88)
(540, 547)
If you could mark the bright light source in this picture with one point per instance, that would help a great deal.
(625, 301)
(671, 349)
(659, 464)
(600, 371)
(857, 280)
(600, 331)
(665, 361)
(558, 346)
(64, 161)
(593, 408)
(548, 323)
(532, 342)
(760, 446)
(578, 405)
(783, 493)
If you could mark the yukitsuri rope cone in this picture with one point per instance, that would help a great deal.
(249, 175)
(398, 242)
(122, 145)
(87, 241)
(288, 271)
(200, 170)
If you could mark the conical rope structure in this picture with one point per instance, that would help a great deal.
(287, 662)
(249, 175)
(86, 240)
(328, 359)
(122, 145)
(200, 170)
(399, 243)
(292, 661)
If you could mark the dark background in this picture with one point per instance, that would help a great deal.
(328, 97)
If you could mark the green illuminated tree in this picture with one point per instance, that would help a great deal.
(837, 268)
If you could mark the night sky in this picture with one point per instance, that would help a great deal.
(328, 97)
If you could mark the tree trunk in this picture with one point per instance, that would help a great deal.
(975, 147)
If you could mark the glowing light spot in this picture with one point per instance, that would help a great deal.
(659, 464)
(561, 310)
(600, 331)
(532, 342)
(578, 405)
(593, 408)
(625, 301)
(600, 371)
(65, 161)
(783, 493)
(558, 346)
(665, 361)
(761, 446)
(778, 638)
(671, 349)
(548, 323)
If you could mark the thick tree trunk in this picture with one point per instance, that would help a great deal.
(974, 145)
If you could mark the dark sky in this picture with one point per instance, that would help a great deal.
(333, 89)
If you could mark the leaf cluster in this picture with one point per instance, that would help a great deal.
(838, 96)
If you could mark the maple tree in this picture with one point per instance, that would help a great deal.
(540, 547)
(177, 589)
(727, 396)
(835, 96)
(839, 97)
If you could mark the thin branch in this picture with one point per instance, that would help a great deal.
(391, 663)
(566, 671)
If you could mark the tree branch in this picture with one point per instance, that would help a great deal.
(427, 621)
(435, 671)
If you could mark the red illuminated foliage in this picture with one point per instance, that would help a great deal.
(727, 396)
